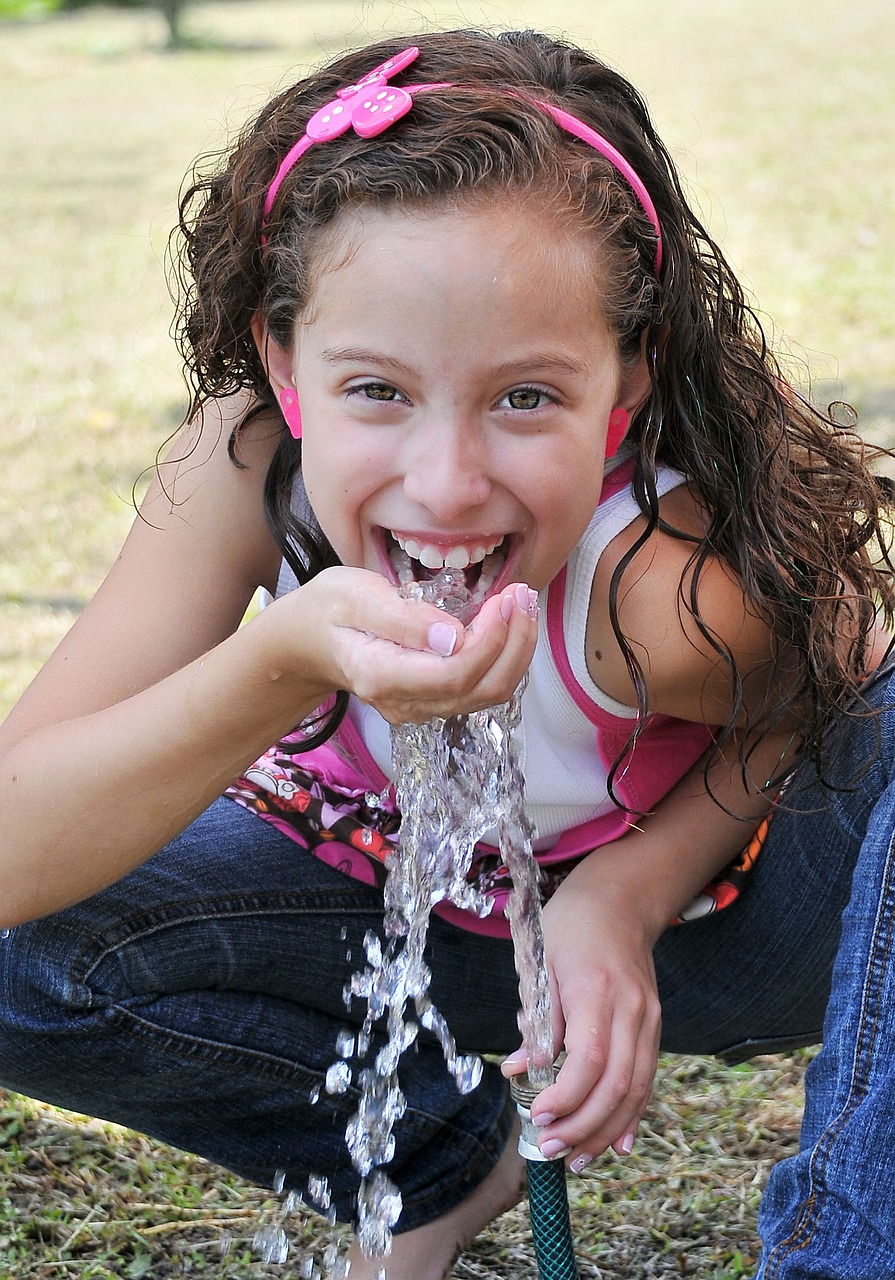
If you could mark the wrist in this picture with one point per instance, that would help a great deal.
(626, 887)
(284, 665)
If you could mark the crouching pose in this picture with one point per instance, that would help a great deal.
(445, 304)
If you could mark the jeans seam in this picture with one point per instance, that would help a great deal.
(143, 925)
(264, 1065)
(803, 1231)
(281, 1070)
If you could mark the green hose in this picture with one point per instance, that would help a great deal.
(548, 1201)
(548, 1205)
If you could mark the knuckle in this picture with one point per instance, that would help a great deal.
(618, 1089)
(639, 1092)
(595, 1055)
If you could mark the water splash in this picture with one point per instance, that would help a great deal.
(456, 779)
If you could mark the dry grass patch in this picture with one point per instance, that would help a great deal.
(89, 1199)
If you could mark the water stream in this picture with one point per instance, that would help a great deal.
(456, 780)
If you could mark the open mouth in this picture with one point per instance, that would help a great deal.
(480, 564)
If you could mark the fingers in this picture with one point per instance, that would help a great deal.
(605, 1082)
(602, 1091)
(412, 661)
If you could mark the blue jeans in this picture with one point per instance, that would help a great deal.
(199, 1000)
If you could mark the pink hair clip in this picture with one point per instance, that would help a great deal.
(372, 105)
(369, 106)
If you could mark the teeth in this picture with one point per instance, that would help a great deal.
(490, 569)
(457, 557)
(432, 558)
(407, 550)
(401, 565)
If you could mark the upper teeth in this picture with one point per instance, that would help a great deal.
(456, 557)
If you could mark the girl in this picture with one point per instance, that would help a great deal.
(446, 304)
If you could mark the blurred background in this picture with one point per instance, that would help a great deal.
(780, 113)
(781, 116)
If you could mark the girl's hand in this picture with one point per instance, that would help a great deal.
(606, 1014)
(410, 660)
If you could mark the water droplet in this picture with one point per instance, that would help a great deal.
(338, 1077)
(318, 1191)
(270, 1241)
(345, 1044)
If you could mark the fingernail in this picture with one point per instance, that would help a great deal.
(554, 1148)
(442, 638)
(543, 1118)
(625, 1146)
(527, 600)
(506, 608)
(580, 1163)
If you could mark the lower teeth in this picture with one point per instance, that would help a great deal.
(403, 566)
(491, 567)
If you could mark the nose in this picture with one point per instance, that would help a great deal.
(447, 469)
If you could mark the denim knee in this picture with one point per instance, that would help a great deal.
(200, 999)
(41, 1006)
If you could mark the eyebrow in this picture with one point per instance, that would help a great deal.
(546, 361)
(362, 355)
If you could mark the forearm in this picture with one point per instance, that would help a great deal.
(664, 860)
(85, 801)
(135, 771)
(600, 929)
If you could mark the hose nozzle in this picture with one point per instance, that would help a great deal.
(523, 1093)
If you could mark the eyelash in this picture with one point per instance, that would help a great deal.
(364, 388)
(397, 397)
(545, 397)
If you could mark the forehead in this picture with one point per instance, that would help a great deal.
(520, 254)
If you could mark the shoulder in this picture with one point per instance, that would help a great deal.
(685, 661)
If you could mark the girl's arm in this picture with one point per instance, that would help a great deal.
(600, 929)
(604, 921)
(157, 699)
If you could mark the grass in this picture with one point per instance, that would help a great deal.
(83, 1198)
(781, 117)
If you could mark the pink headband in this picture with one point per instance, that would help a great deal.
(372, 104)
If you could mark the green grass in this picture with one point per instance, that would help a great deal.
(82, 1198)
(781, 117)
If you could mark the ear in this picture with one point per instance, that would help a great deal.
(632, 395)
(278, 363)
(276, 360)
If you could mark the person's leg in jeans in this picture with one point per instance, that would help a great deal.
(756, 978)
(199, 1000)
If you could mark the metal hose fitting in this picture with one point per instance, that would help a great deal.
(548, 1201)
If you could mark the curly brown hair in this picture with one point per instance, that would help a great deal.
(791, 503)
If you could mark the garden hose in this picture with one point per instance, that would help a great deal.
(548, 1201)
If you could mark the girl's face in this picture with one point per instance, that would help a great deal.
(455, 376)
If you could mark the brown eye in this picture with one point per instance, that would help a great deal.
(380, 391)
(525, 398)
